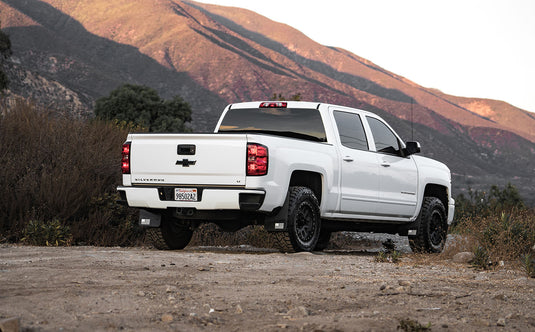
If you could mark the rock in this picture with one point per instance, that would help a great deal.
(239, 309)
(404, 283)
(171, 289)
(10, 325)
(298, 312)
(383, 287)
(501, 322)
(500, 297)
(167, 318)
(463, 257)
(482, 322)
(512, 316)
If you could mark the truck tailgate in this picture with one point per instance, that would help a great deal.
(188, 159)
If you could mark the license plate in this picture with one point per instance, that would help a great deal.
(185, 195)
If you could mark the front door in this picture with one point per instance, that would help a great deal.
(398, 177)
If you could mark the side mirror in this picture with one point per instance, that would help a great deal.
(412, 148)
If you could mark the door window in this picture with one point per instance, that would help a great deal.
(385, 140)
(351, 131)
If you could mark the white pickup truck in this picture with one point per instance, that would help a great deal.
(301, 169)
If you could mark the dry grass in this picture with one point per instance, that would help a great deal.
(55, 167)
(504, 236)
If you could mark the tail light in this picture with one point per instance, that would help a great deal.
(125, 161)
(274, 104)
(257, 159)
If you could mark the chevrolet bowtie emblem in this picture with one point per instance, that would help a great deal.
(185, 162)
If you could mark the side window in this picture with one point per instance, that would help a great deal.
(351, 130)
(385, 140)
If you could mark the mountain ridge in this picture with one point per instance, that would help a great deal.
(213, 55)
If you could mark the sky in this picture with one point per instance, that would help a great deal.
(469, 48)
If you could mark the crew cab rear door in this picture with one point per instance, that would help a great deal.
(188, 159)
(359, 185)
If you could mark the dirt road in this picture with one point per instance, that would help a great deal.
(89, 288)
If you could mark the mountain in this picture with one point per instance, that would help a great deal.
(213, 55)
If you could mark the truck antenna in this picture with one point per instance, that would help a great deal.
(412, 121)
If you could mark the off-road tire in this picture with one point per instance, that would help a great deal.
(304, 222)
(171, 235)
(431, 227)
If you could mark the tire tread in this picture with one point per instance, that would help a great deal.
(283, 239)
(420, 242)
(155, 235)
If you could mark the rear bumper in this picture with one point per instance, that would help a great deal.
(211, 199)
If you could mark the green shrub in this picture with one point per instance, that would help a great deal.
(481, 259)
(388, 253)
(381, 257)
(388, 256)
(52, 233)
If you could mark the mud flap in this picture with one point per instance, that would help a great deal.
(279, 221)
(149, 219)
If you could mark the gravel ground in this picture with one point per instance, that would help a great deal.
(246, 289)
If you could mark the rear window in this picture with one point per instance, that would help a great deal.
(289, 122)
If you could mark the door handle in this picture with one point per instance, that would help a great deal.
(348, 159)
(385, 165)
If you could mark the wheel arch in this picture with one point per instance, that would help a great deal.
(311, 180)
(438, 191)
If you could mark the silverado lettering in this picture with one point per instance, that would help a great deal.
(149, 180)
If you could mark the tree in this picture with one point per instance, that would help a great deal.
(5, 52)
(141, 105)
